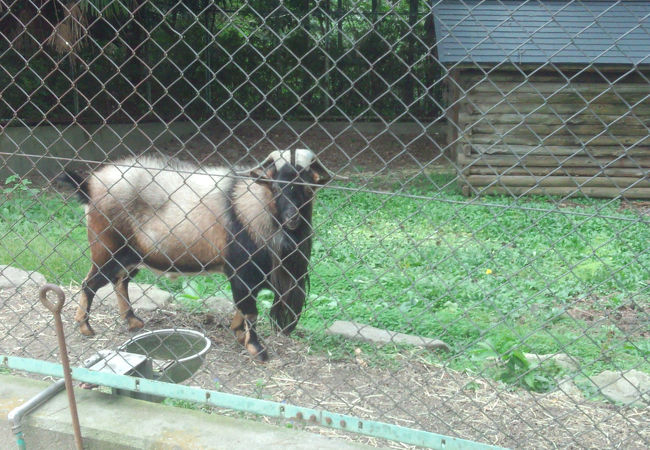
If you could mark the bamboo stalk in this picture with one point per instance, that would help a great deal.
(592, 192)
(557, 181)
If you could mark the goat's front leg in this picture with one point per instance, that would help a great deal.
(243, 325)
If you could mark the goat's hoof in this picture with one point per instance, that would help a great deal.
(86, 329)
(134, 323)
(258, 353)
(240, 335)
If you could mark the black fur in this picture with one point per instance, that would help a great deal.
(79, 182)
(290, 276)
(284, 270)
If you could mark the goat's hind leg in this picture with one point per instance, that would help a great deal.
(121, 286)
(91, 284)
(116, 271)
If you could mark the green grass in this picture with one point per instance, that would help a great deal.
(439, 267)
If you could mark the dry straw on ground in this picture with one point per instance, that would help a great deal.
(411, 392)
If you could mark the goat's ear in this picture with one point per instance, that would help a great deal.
(319, 173)
(262, 175)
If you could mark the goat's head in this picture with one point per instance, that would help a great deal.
(294, 176)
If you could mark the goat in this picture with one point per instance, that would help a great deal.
(173, 217)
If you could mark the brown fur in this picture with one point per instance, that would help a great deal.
(104, 242)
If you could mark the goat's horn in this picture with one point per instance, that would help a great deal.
(333, 175)
(273, 157)
(300, 157)
(310, 158)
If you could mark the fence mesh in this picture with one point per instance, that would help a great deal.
(494, 205)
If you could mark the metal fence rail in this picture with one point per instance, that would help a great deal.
(478, 263)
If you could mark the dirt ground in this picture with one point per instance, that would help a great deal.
(411, 393)
(343, 148)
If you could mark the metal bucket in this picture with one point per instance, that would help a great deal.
(176, 354)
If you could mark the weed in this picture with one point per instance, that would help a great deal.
(258, 390)
(14, 184)
(512, 367)
(185, 404)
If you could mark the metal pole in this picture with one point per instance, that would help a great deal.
(67, 374)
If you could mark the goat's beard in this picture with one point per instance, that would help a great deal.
(290, 277)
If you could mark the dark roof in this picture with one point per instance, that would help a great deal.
(541, 31)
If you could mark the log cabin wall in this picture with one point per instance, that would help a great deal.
(554, 133)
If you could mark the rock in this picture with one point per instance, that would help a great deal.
(568, 388)
(12, 278)
(144, 297)
(220, 306)
(630, 387)
(367, 333)
(563, 360)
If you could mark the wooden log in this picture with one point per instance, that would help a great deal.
(591, 192)
(588, 90)
(496, 105)
(585, 131)
(551, 161)
(528, 139)
(585, 118)
(470, 77)
(559, 171)
(557, 181)
(452, 95)
(560, 97)
(558, 150)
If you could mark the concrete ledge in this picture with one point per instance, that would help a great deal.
(80, 142)
(113, 422)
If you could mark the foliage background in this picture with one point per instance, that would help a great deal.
(126, 61)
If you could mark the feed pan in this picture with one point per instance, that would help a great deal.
(176, 354)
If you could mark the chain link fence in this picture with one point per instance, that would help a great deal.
(478, 269)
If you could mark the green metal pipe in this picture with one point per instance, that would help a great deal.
(20, 440)
(251, 405)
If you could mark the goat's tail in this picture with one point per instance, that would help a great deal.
(79, 182)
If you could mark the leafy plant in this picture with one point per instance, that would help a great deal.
(14, 184)
(259, 388)
(185, 404)
(512, 367)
